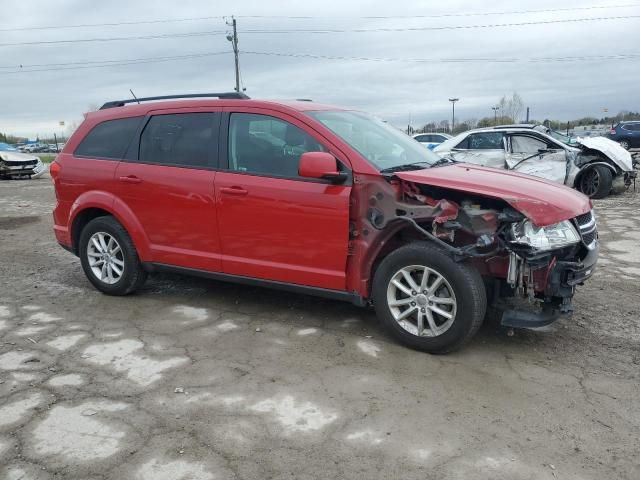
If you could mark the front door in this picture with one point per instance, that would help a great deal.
(169, 186)
(274, 224)
(535, 156)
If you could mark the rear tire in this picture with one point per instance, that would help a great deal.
(596, 181)
(453, 309)
(624, 144)
(109, 258)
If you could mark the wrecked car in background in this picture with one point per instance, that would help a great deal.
(14, 164)
(595, 166)
(317, 200)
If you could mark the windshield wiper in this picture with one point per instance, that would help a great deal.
(443, 161)
(406, 167)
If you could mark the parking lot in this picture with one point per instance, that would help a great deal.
(195, 379)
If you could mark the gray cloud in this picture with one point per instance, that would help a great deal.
(33, 103)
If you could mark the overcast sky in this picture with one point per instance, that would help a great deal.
(34, 102)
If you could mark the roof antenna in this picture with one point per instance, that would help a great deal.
(134, 96)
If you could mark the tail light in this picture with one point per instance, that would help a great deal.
(612, 131)
(54, 170)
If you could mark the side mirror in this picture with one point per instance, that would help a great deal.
(320, 165)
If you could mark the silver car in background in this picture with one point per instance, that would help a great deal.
(594, 166)
(15, 164)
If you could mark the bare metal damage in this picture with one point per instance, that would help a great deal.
(471, 229)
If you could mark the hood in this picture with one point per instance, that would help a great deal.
(12, 156)
(610, 149)
(543, 202)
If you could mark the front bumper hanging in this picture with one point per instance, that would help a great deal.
(562, 280)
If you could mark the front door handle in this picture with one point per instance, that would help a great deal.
(130, 179)
(234, 190)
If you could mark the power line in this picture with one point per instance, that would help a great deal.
(447, 27)
(445, 15)
(47, 67)
(319, 31)
(111, 39)
(301, 17)
(453, 60)
(43, 67)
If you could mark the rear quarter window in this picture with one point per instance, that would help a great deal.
(109, 139)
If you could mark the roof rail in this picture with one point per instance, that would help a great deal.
(225, 95)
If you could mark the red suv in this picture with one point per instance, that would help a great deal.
(322, 200)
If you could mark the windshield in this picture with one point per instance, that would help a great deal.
(383, 145)
(562, 137)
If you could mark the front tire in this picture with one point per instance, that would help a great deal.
(428, 301)
(596, 181)
(109, 258)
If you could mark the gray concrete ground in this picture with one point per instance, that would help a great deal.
(177, 383)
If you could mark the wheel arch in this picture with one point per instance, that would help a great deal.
(614, 170)
(96, 204)
(395, 237)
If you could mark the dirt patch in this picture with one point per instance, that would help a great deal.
(13, 223)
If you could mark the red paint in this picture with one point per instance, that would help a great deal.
(286, 230)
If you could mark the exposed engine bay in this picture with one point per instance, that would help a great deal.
(517, 259)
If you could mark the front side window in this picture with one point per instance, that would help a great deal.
(482, 141)
(182, 139)
(109, 139)
(266, 145)
(526, 144)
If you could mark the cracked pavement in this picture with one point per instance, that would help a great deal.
(192, 379)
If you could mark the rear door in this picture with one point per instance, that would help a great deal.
(481, 148)
(274, 224)
(167, 181)
(530, 154)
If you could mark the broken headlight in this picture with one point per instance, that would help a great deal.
(550, 237)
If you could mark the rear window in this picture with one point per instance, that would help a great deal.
(109, 139)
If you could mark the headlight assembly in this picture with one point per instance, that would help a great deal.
(546, 238)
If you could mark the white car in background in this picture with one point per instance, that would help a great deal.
(430, 140)
(14, 164)
(595, 166)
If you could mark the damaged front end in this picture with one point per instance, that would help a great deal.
(530, 272)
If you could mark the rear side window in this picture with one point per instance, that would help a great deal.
(482, 141)
(109, 139)
(183, 139)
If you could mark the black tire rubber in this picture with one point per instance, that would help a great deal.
(625, 144)
(605, 181)
(467, 285)
(134, 275)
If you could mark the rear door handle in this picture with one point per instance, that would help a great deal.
(130, 179)
(234, 190)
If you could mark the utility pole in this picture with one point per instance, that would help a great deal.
(527, 121)
(495, 115)
(234, 42)
(453, 112)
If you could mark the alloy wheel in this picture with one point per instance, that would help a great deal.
(421, 301)
(590, 182)
(106, 258)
